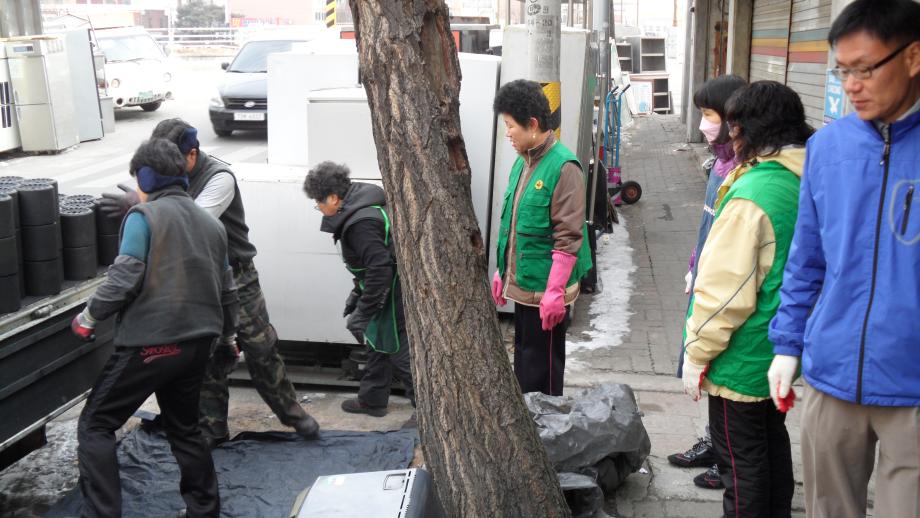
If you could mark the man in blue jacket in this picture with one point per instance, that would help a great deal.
(850, 301)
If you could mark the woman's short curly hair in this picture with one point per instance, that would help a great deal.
(160, 155)
(766, 116)
(327, 178)
(523, 99)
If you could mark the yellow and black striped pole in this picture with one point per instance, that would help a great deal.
(544, 38)
(553, 93)
(330, 13)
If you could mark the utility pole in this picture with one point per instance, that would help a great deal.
(544, 43)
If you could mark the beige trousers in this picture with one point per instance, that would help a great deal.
(838, 454)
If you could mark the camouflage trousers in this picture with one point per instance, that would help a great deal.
(257, 339)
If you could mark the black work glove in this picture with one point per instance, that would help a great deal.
(357, 324)
(115, 205)
(351, 303)
(226, 355)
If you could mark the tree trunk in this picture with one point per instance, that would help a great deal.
(477, 436)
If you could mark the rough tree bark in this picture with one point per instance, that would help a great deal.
(477, 436)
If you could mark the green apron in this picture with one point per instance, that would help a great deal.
(382, 334)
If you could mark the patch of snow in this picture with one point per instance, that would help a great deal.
(609, 310)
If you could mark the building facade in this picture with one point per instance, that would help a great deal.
(779, 40)
(274, 12)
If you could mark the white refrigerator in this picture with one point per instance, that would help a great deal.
(42, 94)
(9, 131)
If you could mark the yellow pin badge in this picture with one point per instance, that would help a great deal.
(538, 185)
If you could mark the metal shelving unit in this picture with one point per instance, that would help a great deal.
(648, 54)
(625, 56)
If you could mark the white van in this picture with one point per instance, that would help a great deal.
(137, 72)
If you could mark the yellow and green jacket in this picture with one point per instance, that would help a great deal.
(740, 272)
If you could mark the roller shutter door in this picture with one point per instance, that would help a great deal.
(806, 72)
(770, 40)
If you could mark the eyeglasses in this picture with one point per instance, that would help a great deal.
(863, 73)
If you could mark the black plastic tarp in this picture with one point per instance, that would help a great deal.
(588, 425)
(596, 432)
(260, 474)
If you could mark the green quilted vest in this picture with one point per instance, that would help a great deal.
(534, 229)
(743, 366)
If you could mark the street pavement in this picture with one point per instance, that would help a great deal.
(95, 167)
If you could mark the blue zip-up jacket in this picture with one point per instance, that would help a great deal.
(850, 301)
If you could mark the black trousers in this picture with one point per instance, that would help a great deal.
(754, 457)
(379, 373)
(539, 356)
(381, 368)
(173, 372)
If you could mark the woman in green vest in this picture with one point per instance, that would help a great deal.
(355, 214)
(736, 293)
(542, 251)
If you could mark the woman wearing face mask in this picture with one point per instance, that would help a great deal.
(710, 99)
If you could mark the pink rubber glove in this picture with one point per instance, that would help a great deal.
(552, 305)
(497, 290)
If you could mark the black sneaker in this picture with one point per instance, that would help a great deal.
(355, 406)
(698, 456)
(709, 479)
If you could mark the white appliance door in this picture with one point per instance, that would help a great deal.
(300, 269)
(36, 127)
(30, 85)
(357, 148)
(82, 86)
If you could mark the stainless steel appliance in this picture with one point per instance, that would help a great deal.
(9, 131)
(39, 70)
(404, 493)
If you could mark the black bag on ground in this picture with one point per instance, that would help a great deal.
(594, 431)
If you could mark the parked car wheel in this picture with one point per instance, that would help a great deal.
(151, 107)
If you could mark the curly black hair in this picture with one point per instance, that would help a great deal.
(327, 178)
(172, 130)
(160, 155)
(523, 99)
(713, 95)
(890, 21)
(766, 116)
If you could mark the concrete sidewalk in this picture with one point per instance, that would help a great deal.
(636, 341)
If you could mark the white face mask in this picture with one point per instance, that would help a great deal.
(710, 130)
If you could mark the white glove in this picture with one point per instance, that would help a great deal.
(693, 377)
(689, 279)
(782, 372)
